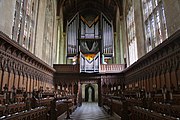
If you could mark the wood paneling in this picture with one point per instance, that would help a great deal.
(19, 67)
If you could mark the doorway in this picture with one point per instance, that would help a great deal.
(89, 93)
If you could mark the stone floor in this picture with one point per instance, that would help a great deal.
(90, 111)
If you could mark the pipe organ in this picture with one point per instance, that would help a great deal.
(90, 65)
(89, 36)
(72, 35)
(107, 37)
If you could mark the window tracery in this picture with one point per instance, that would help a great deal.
(24, 22)
(155, 23)
(132, 41)
(48, 33)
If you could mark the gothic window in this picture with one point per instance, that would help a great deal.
(155, 23)
(23, 23)
(132, 42)
(48, 33)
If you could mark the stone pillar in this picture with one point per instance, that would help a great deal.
(172, 14)
(61, 38)
(118, 40)
(58, 40)
(139, 28)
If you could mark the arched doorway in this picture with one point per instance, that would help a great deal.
(87, 88)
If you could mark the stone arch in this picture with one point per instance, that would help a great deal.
(87, 94)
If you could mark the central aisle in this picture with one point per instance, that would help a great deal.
(90, 111)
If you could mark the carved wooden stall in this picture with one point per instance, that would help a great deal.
(23, 77)
(157, 72)
(150, 87)
(21, 69)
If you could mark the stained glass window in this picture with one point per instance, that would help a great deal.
(132, 42)
(154, 22)
(48, 33)
(23, 23)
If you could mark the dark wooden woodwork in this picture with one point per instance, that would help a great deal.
(138, 113)
(20, 68)
(12, 108)
(159, 69)
(34, 114)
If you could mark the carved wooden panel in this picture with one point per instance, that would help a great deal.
(158, 68)
(18, 66)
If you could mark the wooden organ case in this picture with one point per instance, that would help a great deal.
(89, 41)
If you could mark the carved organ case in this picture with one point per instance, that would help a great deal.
(90, 40)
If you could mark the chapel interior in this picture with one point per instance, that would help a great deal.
(90, 59)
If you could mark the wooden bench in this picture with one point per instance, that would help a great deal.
(107, 108)
(172, 110)
(45, 102)
(19, 98)
(12, 108)
(138, 113)
(72, 108)
(60, 107)
(39, 113)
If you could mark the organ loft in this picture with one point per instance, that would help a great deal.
(90, 59)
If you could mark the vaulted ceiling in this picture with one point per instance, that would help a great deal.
(71, 7)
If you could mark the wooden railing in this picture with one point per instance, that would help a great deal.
(44, 109)
(66, 68)
(140, 109)
(104, 68)
(111, 68)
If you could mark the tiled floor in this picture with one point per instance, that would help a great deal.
(90, 111)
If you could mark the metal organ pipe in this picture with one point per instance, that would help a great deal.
(73, 36)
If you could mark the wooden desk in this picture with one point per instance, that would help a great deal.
(67, 108)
